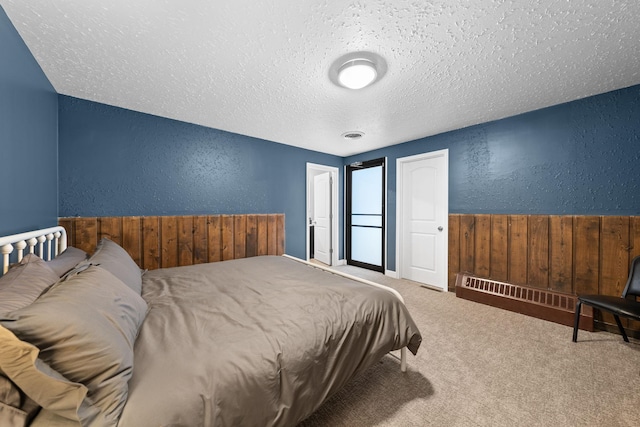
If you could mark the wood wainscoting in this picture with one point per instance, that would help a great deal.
(171, 241)
(563, 253)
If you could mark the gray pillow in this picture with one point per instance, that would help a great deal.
(26, 374)
(24, 282)
(85, 327)
(113, 258)
(68, 259)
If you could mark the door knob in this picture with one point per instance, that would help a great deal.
(440, 228)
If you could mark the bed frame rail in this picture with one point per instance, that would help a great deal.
(47, 243)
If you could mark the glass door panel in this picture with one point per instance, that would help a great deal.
(365, 245)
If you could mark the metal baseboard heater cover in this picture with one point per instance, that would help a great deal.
(554, 306)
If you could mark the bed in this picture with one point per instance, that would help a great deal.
(259, 341)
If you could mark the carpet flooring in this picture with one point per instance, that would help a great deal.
(483, 366)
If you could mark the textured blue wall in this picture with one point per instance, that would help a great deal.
(578, 158)
(117, 162)
(28, 138)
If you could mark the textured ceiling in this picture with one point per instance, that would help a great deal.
(260, 67)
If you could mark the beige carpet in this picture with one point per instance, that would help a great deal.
(483, 366)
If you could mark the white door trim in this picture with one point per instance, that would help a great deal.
(311, 167)
(399, 206)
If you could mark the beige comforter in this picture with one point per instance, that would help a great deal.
(255, 342)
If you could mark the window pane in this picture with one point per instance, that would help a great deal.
(366, 191)
(366, 245)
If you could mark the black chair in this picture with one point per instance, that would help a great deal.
(625, 306)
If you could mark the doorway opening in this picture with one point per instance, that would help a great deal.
(365, 214)
(322, 214)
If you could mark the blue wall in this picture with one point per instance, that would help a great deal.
(117, 162)
(579, 158)
(28, 138)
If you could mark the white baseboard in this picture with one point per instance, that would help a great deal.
(391, 273)
(342, 262)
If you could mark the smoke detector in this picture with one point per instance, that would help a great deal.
(352, 135)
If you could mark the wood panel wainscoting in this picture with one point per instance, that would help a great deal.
(171, 241)
(563, 253)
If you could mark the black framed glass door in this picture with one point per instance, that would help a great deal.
(365, 214)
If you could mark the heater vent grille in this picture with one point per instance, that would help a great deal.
(541, 303)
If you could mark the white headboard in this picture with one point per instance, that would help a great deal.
(46, 243)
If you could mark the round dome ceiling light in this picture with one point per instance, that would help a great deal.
(357, 70)
(357, 73)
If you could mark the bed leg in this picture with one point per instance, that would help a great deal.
(403, 359)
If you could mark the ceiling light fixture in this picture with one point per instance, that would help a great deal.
(357, 73)
(357, 70)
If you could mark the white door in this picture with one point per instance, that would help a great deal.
(322, 217)
(423, 182)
